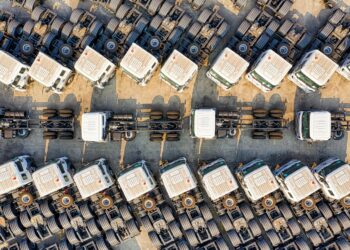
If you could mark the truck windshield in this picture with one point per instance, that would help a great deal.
(206, 170)
(132, 75)
(252, 168)
(330, 168)
(305, 125)
(302, 77)
(262, 80)
(172, 165)
(165, 78)
(221, 79)
(295, 167)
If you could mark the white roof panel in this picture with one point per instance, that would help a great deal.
(301, 184)
(339, 181)
(204, 123)
(92, 64)
(49, 179)
(138, 61)
(46, 70)
(178, 180)
(219, 182)
(320, 125)
(135, 183)
(179, 68)
(10, 178)
(9, 68)
(91, 180)
(260, 182)
(319, 67)
(92, 126)
(272, 67)
(230, 65)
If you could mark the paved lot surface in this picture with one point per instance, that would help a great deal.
(124, 95)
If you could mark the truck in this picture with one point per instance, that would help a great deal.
(344, 68)
(301, 189)
(13, 124)
(313, 126)
(108, 126)
(164, 30)
(138, 64)
(278, 8)
(333, 176)
(142, 193)
(178, 71)
(235, 215)
(203, 36)
(227, 69)
(262, 190)
(210, 123)
(194, 214)
(100, 197)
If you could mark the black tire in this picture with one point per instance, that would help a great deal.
(86, 41)
(24, 219)
(66, 51)
(276, 137)
(259, 113)
(28, 27)
(165, 9)
(194, 30)
(155, 23)
(50, 133)
(175, 229)
(146, 223)
(49, 111)
(111, 238)
(52, 225)
(226, 222)
(64, 221)
(9, 212)
(27, 48)
(157, 137)
(223, 29)
(76, 15)
(265, 222)
(48, 39)
(32, 235)
(111, 45)
(112, 25)
(184, 221)
(122, 11)
(259, 137)
(45, 209)
(92, 227)
(57, 25)
(50, 137)
(125, 212)
(191, 237)
(85, 211)
(234, 238)
(31, 4)
(15, 228)
(204, 16)
(173, 115)
(13, 28)
(66, 31)
(37, 13)
(103, 220)
(71, 237)
(132, 228)
(96, 28)
(213, 228)
(154, 239)
(154, 6)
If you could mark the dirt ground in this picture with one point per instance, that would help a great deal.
(125, 89)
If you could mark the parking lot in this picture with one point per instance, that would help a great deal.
(125, 96)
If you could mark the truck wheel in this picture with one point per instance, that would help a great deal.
(184, 221)
(32, 235)
(104, 222)
(92, 227)
(175, 229)
(221, 244)
(246, 211)
(276, 113)
(146, 223)
(345, 202)
(66, 135)
(22, 133)
(37, 13)
(125, 213)
(338, 134)
(66, 31)
(285, 211)
(64, 221)
(276, 135)
(122, 11)
(49, 137)
(305, 223)
(314, 238)
(132, 228)
(294, 227)
(325, 210)
(259, 135)
(71, 237)
(172, 136)
(167, 213)
(191, 237)
(254, 228)
(24, 219)
(165, 9)
(52, 225)
(154, 239)
(265, 222)
(213, 228)
(65, 111)
(129, 135)
(111, 238)
(204, 16)
(45, 209)
(234, 238)
(259, 113)
(85, 211)
(207, 215)
(49, 111)
(226, 222)
(173, 115)
(156, 115)
(273, 237)
(154, 6)
(156, 137)
(343, 220)
(76, 15)
(334, 225)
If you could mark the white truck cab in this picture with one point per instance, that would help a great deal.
(178, 71)
(94, 126)
(177, 178)
(313, 71)
(203, 123)
(136, 180)
(15, 174)
(257, 180)
(344, 68)
(53, 177)
(49, 73)
(13, 72)
(268, 71)
(138, 64)
(94, 178)
(333, 175)
(217, 179)
(313, 125)
(227, 69)
(95, 67)
(296, 181)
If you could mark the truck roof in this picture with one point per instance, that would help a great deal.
(319, 67)
(320, 125)
(260, 182)
(218, 180)
(272, 67)
(301, 183)
(92, 126)
(135, 181)
(46, 70)
(230, 65)
(91, 180)
(177, 178)
(138, 61)
(50, 179)
(92, 64)
(179, 68)
(204, 123)
(339, 181)
(10, 67)
(10, 178)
